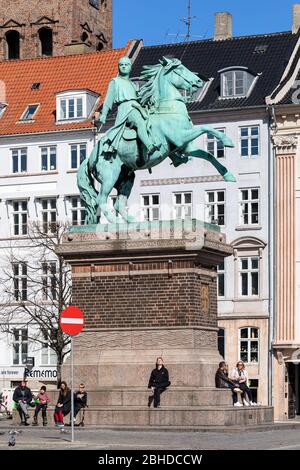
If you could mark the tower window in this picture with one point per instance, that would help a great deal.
(13, 44)
(100, 46)
(84, 36)
(46, 40)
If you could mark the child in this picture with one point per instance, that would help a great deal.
(42, 403)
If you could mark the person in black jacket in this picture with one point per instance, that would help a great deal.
(80, 401)
(222, 381)
(63, 406)
(23, 396)
(158, 382)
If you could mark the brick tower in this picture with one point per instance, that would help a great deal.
(31, 28)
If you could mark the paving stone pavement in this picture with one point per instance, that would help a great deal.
(104, 439)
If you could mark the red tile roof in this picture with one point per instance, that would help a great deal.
(91, 71)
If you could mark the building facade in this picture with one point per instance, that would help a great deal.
(46, 130)
(34, 29)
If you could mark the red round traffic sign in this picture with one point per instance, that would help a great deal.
(71, 320)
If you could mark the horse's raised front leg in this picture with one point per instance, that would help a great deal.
(193, 151)
(124, 186)
(110, 172)
(182, 137)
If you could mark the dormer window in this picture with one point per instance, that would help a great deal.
(71, 108)
(236, 83)
(76, 105)
(29, 112)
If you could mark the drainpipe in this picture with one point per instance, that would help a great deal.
(271, 250)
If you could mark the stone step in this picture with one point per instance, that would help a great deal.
(170, 397)
(173, 396)
(178, 416)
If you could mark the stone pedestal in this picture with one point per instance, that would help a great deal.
(149, 290)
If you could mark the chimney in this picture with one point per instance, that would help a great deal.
(223, 26)
(296, 17)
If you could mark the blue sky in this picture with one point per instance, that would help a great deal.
(153, 20)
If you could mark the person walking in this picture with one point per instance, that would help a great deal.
(22, 397)
(63, 406)
(158, 382)
(43, 402)
(240, 376)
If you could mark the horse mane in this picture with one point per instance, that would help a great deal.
(149, 92)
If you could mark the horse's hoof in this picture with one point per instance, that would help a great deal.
(229, 177)
(227, 142)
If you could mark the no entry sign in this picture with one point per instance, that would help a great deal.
(72, 320)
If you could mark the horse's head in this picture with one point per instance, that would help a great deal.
(180, 76)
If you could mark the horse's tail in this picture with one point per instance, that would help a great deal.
(88, 193)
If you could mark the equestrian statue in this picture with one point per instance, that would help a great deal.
(152, 124)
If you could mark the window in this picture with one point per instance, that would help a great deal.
(49, 280)
(49, 215)
(95, 3)
(29, 112)
(221, 280)
(214, 146)
(215, 207)
(78, 211)
(46, 41)
(249, 206)
(13, 44)
(182, 205)
(20, 217)
(3, 107)
(151, 206)
(49, 357)
(221, 342)
(20, 346)
(48, 158)
(249, 345)
(236, 83)
(20, 281)
(19, 160)
(71, 108)
(78, 154)
(249, 276)
(249, 137)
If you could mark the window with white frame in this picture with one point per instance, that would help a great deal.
(78, 154)
(49, 214)
(150, 206)
(71, 108)
(48, 158)
(49, 280)
(249, 276)
(249, 345)
(29, 112)
(249, 138)
(215, 146)
(77, 210)
(182, 203)
(249, 206)
(20, 217)
(48, 355)
(215, 207)
(20, 346)
(19, 160)
(20, 281)
(221, 280)
(236, 83)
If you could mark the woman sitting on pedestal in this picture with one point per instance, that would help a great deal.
(158, 382)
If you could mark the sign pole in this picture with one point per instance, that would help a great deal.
(72, 388)
(72, 322)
